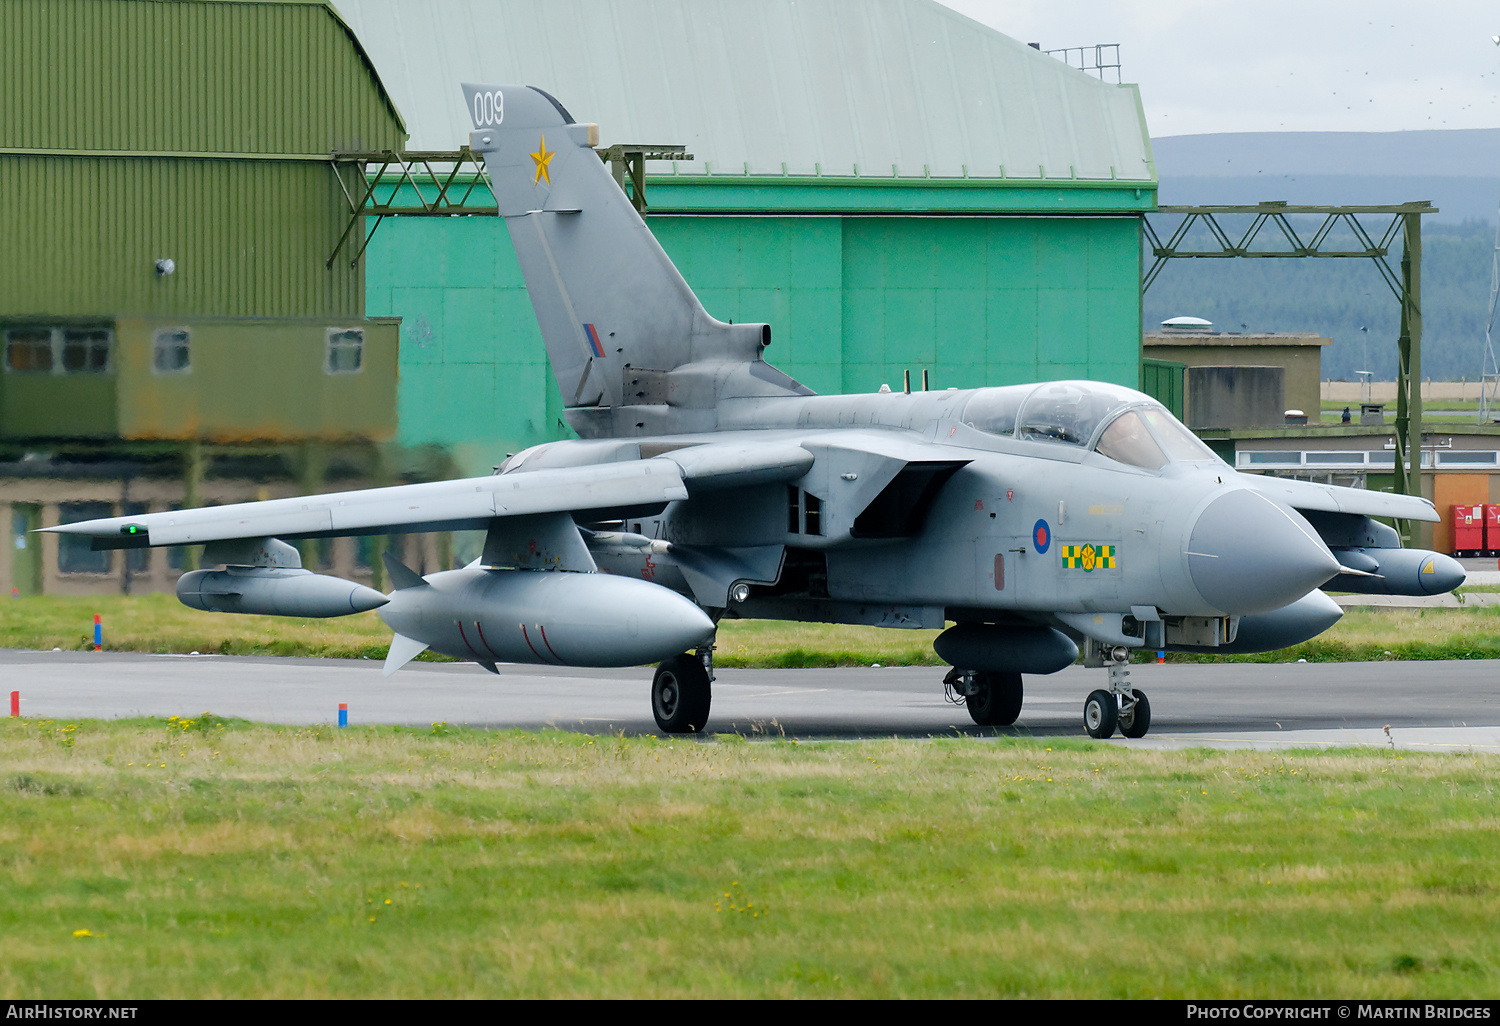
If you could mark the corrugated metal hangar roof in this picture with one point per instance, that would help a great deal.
(874, 88)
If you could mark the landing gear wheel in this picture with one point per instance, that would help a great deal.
(1135, 719)
(1100, 713)
(996, 699)
(680, 695)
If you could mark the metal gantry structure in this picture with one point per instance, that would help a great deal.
(435, 184)
(1096, 59)
(1271, 234)
(1489, 370)
(455, 183)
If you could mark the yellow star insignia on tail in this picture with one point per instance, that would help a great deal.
(542, 157)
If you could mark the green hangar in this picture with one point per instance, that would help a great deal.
(892, 186)
(889, 184)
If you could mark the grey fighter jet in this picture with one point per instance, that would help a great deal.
(1041, 521)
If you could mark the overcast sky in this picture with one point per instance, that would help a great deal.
(1282, 65)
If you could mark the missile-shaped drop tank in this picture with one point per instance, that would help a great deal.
(540, 616)
(275, 591)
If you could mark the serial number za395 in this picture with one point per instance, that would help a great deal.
(489, 108)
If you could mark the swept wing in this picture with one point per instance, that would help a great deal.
(465, 504)
(1308, 495)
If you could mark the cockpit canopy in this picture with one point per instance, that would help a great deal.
(1124, 425)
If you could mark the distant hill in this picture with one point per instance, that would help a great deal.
(1458, 169)
(1338, 298)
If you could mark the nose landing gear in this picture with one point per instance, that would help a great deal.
(1120, 706)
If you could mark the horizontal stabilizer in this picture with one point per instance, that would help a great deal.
(403, 650)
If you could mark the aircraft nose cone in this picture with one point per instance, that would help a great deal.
(1248, 555)
(1439, 574)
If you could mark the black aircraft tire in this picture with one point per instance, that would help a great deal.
(997, 699)
(1100, 713)
(1137, 721)
(681, 695)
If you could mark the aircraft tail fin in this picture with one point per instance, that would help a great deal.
(631, 347)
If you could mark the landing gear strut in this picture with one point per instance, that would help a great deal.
(993, 698)
(1121, 705)
(681, 692)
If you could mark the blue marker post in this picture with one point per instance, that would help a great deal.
(98, 633)
(343, 714)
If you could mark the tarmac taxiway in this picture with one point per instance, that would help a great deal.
(1441, 705)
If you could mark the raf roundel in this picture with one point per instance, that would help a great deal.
(1041, 537)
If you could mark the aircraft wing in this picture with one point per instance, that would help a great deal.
(1333, 499)
(736, 464)
(465, 504)
(468, 503)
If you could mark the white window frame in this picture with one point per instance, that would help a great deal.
(339, 341)
(161, 335)
(57, 340)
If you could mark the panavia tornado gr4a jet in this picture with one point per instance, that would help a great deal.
(1038, 519)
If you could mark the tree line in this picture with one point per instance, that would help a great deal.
(1346, 300)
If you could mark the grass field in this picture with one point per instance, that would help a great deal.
(159, 623)
(202, 858)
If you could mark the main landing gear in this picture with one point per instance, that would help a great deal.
(1120, 706)
(993, 699)
(681, 692)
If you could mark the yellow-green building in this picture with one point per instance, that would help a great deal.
(168, 207)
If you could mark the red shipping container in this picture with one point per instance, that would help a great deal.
(1466, 532)
(1492, 529)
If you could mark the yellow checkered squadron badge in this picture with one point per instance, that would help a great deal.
(1089, 558)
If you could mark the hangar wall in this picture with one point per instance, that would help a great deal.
(196, 131)
(888, 183)
(853, 301)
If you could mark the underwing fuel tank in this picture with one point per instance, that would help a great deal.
(1397, 572)
(547, 616)
(1290, 625)
(274, 591)
(977, 646)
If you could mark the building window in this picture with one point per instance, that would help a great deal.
(28, 350)
(75, 553)
(346, 347)
(85, 350)
(171, 353)
(58, 350)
